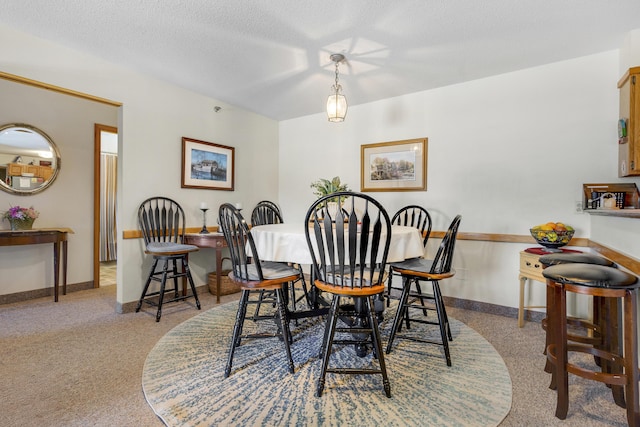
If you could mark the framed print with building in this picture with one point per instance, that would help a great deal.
(207, 165)
(394, 166)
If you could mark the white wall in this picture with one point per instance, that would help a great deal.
(507, 152)
(153, 119)
(68, 202)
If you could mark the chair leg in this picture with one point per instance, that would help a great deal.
(284, 326)
(548, 368)
(187, 271)
(442, 322)
(375, 337)
(560, 342)
(303, 282)
(330, 330)
(402, 308)
(174, 270)
(389, 282)
(237, 330)
(146, 285)
(605, 315)
(632, 391)
(436, 286)
(419, 290)
(258, 304)
(163, 283)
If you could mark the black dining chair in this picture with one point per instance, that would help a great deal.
(431, 270)
(267, 212)
(162, 223)
(349, 253)
(254, 277)
(418, 218)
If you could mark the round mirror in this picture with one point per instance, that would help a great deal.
(29, 159)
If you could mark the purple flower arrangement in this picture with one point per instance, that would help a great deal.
(17, 213)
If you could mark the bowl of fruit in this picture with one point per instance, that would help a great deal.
(552, 235)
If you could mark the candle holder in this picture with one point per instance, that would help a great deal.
(204, 221)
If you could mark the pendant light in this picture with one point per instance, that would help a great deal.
(337, 103)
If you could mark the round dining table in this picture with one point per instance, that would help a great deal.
(287, 242)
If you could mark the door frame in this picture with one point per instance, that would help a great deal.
(97, 138)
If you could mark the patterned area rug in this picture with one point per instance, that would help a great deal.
(183, 379)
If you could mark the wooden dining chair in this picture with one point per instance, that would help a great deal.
(428, 270)
(162, 224)
(418, 218)
(254, 277)
(349, 255)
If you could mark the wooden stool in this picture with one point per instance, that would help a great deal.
(593, 328)
(622, 370)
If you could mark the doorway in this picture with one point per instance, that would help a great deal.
(105, 190)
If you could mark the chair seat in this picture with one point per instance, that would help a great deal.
(169, 248)
(352, 292)
(420, 267)
(271, 271)
(574, 258)
(359, 279)
(589, 275)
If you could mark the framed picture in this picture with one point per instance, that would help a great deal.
(207, 165)
(394, 166)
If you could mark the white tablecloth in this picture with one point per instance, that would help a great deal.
(287, 243)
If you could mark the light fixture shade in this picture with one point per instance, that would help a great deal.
(336, 107)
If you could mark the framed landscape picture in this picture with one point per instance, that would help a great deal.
(394, 166)
(207, 165)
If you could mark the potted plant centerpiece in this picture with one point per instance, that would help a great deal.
(324, 187)
(21, 218)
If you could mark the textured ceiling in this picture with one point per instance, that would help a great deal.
(272, 57)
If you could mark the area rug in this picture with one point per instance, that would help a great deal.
(183, 379)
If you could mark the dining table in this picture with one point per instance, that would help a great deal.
(287, 242)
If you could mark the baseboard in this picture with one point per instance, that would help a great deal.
(500, 310)
(130, 307)
(41, 293)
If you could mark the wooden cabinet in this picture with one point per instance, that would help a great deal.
(17, 169)
(629, 134)
(45, 172)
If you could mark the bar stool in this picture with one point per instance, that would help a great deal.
(593, 335)
(611, 284)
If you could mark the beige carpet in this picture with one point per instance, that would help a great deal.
(78, 363)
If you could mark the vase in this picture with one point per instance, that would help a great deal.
(332, 209)
(24, 224)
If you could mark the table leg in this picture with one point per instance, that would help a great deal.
(523, 280)
(64, 267)
(218, 273)
(56, 269)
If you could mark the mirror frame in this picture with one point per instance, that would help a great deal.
(56, 154)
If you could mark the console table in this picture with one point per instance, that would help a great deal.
(43, 235)
(211, 240)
